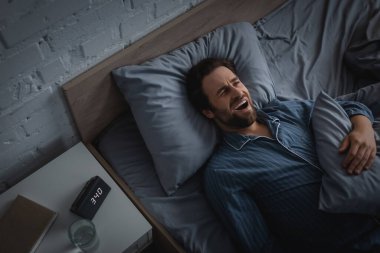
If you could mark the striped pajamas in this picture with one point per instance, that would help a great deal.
(266, 190)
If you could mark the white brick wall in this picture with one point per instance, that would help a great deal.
(43, 44)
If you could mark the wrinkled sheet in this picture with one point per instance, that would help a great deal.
(326, 45)
(309, 46)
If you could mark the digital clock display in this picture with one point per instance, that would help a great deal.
(90, 198)
(97, 195)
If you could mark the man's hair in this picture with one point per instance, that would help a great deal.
(195, 77)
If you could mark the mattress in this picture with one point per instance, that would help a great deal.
(309, 46)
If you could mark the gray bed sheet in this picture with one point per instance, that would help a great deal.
(309, 46)
(326, 45)
(187, 215)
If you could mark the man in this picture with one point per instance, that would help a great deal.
(264, 178)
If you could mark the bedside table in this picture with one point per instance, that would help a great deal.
(120, 226)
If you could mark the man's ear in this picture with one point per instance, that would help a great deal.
(208, 113)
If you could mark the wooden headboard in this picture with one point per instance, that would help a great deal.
(95, 101)
(92, 96)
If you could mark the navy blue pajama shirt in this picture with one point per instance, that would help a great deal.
(266, 190)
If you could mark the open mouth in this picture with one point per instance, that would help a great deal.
(241, 105)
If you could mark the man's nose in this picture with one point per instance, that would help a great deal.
(237, 91)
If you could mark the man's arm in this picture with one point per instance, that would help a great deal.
(239, 213)
(360, 143)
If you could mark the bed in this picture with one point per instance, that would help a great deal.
(307, 46)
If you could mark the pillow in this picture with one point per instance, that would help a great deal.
(180, 139)
(341, 192)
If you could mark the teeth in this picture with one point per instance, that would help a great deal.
(240, 104)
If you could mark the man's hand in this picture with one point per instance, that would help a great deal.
(361, 146)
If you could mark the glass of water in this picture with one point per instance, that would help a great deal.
(82, 233)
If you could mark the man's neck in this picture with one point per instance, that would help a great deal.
(256, 129)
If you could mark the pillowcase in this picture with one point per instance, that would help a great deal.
(179, 138)
(341, 192)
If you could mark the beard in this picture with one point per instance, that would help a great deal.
(233, 120)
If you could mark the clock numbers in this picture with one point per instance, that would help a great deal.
(97, 194)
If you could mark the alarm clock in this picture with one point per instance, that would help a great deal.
(90, 198)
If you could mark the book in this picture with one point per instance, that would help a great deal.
(24, 225)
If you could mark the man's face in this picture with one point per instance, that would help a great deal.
(231, 104)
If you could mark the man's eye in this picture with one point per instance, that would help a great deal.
(224, 91)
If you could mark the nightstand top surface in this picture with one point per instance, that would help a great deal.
(118, 222)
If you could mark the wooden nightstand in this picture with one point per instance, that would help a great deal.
(120, 226)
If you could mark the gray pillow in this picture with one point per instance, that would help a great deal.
(341, 192)
(179, 139)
